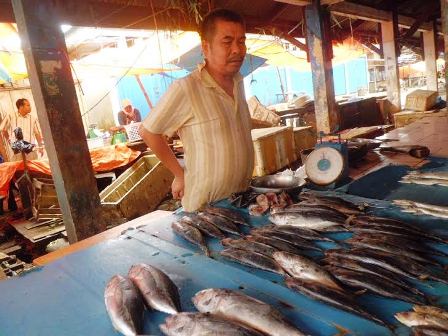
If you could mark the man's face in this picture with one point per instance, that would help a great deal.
(227, 48)
(128, 109)
(25, 108)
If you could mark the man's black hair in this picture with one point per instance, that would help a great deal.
(20, 102)
(208, 25)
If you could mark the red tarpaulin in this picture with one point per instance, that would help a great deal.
(103, 159)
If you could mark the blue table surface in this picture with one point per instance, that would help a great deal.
(66, 297)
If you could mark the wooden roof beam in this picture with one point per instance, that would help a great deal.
(309, 2)
(367, 13)
(423, 17)
(289, 38)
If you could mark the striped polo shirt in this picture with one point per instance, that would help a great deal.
(215, 132)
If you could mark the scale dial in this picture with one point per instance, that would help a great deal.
(324, 165)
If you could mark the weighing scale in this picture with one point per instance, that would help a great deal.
(327, 165)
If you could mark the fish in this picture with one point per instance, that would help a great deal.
(441, 175)
(425, 181)
(157, 289)
(392, 249)
(310, 205)
(403, 265)
(304, 233)
(431, 310)
(221, 223)
(227, 213)
(191, 324)
(317, 291)
(413, 319)
(287, 237)
(378, 271)
(203, 226)
(337, 203)
(191, 234)
(307, 219)
(244, 244)
(243, 309)
(276, 243)
(306, 269)
(428, 331)
(252, 259)
(124, 305)
(402, 241)
(372, 283)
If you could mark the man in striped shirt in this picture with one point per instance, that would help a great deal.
(208, 109)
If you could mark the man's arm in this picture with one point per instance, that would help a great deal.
(158, 144)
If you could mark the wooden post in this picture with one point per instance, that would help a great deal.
(59, 116)
(430, 51)
(444, 15)
(389, 32)
(320, 52)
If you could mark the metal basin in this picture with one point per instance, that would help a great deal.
(277, 183)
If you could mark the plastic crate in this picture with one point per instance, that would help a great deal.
(132, 131)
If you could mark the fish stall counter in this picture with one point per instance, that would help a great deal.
(66, 296)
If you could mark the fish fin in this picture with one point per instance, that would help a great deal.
(360, 292)
(341, 330)
(349, 219)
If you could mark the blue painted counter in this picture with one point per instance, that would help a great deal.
(66, 296)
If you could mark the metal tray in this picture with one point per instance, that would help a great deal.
(277, 183)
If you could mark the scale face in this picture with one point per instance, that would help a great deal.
(324, 165)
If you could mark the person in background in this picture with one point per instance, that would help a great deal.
(31, 133)
(208, 109)
(29, 125)
(129, 114)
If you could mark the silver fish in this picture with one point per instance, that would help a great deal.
(191, 234)
(200, 324)
(307, 219)
(224, 224)
(441, 175)
(203, 226)
(372, 283)
(306, 269)
(304, 233)
(287, 237)
(428, 331)
(332, 297)
(413, 319)
(244, 244)
(276, 243)
(252, 259)
(157, 289)
(431, 310)
(243, 309)
(230, 214)
(124, 305)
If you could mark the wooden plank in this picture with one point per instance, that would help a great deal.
(57, 106)
(389, 32)
(101, 237)
(320, 51)
(430, 52)
(309, 2)
(356, 11)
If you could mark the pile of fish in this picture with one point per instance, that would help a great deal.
(426, 178)
(423, 208)
(425, 320)
(213, 222)
(382, 257)
(269, 201)
(126, 296)
(222, 312)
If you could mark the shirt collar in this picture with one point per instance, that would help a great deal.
(208, 80)
(21, 116)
